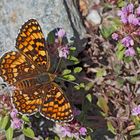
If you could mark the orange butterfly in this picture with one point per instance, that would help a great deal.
(27, 70)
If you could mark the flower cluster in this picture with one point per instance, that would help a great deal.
(63, 49)
(5, 100)
(130, 18)
(128, 15)
(5, 105)
(16, 123)
(70, 130)
(136, 111)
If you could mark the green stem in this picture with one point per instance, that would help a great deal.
(68, 81)
(58, 65)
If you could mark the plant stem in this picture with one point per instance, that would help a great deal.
(68, 81)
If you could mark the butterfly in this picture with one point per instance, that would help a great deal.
(27, 69)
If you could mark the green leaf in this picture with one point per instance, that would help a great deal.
(102, 103)
(51, 38)
(121, 3)
(120, 81)
(69, 77)
(128, 59)
(77, 69)
(138, 50)
(135, 132)
(120, 46)
(89, 97)
(1, 121)
(100, 72)
(110, 127)
(107, 31)
(9, 133)
(74, 59)
(77, 87)
(28, 132)
(72, 48)
(136, 138)
(82, 85)
(120, 51)
(132, 79)
(4, 122)
(88, 138)
(25, 119)
(66, 71)
(117, 69)
(116, 21)
(89, 86)
(56, 138)
(138, 126)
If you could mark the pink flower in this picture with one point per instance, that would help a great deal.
(133, 20)
(125, 12)
(130, 52)
(62, 131)
(123, 15)
(63, 51)
(127, 41)
(13, 114)
(3, 98)
(115, 36)
(72, 130)
(76, 111)
(136, 111)
(61, 33)
(16, 123)
(83, 131)
(66, 132)
(76, 136)
(138, 10)
(130, 8)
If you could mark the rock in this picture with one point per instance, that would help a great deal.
(93, 17)
(50, 14)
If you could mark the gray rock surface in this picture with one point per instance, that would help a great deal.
(13, 13)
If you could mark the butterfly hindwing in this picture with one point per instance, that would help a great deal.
(48, 99)
(31, 43)
(55, 105)
(25, 102)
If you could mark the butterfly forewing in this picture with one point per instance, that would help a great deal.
(13, 67)
(31, 43)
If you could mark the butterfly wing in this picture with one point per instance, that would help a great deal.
(14, 67)
(55, 105)
(27, 101)
(18, 72)
(31, 43)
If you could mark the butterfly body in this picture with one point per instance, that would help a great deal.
(43, 78)
(27, 70)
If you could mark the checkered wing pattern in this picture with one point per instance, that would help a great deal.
(13, 67)
(27, 101)
(55, 105)
(31, 43)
